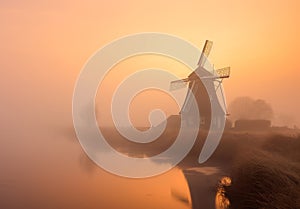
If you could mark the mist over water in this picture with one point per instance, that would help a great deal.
(43, 171)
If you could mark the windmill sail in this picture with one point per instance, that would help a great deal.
(188, 102)
(205, 52)
(182, 83)
(179, 84)
(223, 72)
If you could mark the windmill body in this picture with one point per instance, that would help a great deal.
(197, 82)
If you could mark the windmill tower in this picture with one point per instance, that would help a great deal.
(197, 82)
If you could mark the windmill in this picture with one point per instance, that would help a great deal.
(203, 74)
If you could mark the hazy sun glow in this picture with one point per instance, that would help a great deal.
(45, 44)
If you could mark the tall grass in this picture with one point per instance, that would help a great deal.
(267, 177)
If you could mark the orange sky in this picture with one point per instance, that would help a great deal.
(44, 46)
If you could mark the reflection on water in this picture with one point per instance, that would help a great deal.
(202, 184)
(180, 196)
(221, 201)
